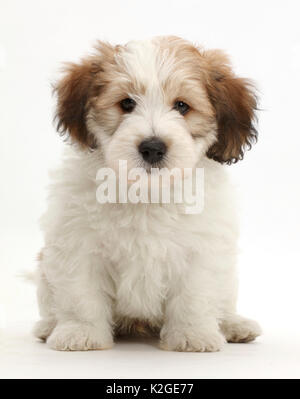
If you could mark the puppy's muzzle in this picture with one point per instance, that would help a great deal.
(152, 150)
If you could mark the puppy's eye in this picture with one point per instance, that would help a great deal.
(181, 107)
(127, 104)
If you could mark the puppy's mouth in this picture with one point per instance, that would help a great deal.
(149, 168)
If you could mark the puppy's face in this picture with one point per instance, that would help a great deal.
(159, 103)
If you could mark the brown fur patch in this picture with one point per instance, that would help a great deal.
(135, 327)
(81, 83)
(235, 103)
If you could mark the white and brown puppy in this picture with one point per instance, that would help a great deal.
(117, 268)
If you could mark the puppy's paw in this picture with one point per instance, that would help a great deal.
(238, 329)
(43, 328)
(76, 336)
(193, 341)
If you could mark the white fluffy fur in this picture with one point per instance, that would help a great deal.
(106, 265)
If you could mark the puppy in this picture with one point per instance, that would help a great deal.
(119, 268)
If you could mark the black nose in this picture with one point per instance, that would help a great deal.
(152, 150)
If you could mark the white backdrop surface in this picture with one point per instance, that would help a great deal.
(263, 39)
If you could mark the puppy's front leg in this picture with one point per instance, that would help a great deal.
(82, 306)
(191, 322)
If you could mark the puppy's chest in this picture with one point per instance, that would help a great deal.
(147, 253)
(141, 237)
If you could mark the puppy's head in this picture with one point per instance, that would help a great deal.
(158, 103)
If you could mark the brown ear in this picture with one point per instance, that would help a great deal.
(74, 93)
(235, 103)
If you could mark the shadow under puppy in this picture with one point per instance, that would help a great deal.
(118, 268)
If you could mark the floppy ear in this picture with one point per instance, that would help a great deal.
(74, 93)
(235, 102)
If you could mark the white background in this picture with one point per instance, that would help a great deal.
(263, 39)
